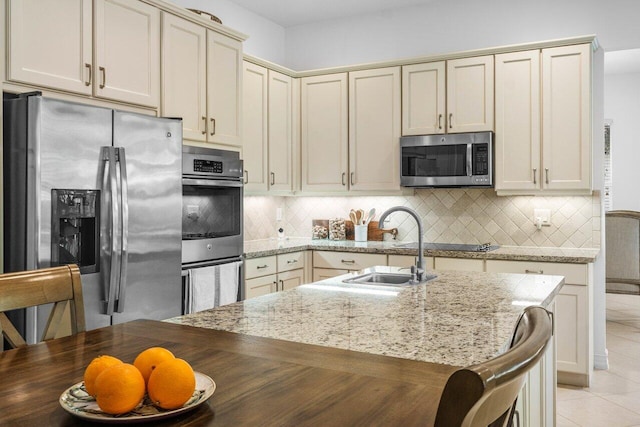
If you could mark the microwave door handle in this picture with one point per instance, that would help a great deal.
(124, 223)
(110, 196)
(469, 159)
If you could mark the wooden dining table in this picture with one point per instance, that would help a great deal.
(259, 381)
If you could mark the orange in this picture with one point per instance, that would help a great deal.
(94, 369)
(171, 384)
(148, 359)
(119, 388)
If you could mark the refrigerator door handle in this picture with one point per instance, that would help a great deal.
(110, 183)
(124, 222)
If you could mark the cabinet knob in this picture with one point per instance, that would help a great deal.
(246, 176)
(352, 176)
(344, 174)
(534, 271)
(204, 119)
(546, 174)
(292, 261)
(439, 121)
(273, 178)
(347, 261)
(260, 267)
(213, 126)
(535, 172)
(450, 120)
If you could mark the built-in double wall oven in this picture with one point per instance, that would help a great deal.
(212, 229)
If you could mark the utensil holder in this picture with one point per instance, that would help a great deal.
(360, 233)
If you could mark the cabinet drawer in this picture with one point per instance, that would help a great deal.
(459, 264)
(408, 261)
(575, 274)
(290, 261)
(257, 267)
(347, 260)
(326, 273)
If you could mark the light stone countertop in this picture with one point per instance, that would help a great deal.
(268, 247)
(458, 318)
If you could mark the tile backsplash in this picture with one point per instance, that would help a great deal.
(449, 216)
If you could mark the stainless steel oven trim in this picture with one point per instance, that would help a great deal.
(217, 183)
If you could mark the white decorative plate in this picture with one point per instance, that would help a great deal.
(77, 401)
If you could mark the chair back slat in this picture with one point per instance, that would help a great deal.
(485, 394)
(60, 286)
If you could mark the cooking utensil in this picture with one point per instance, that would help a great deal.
(359, 215)
(370, 215)
(352, 216)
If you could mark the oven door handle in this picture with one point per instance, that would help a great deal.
(218, 183)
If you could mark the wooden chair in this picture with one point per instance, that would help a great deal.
(485, 394)
(58, 285)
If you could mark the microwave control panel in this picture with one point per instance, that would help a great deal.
(480, 157)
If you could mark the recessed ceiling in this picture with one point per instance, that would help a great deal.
(289, 13)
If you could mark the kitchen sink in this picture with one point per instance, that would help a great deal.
(391, 279)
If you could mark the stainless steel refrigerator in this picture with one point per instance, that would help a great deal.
(100, 188)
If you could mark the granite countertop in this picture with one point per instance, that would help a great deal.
(267, 247)
(458, 318)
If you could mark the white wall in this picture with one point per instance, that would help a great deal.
(458, 25)
(266, 39)
(622, 106)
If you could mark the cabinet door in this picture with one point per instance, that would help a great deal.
(290, 279)
(572, 327)
(184, 66)
(50, 44)
(470, 94)
(517, 161)
(280, 132)
(566, 112)
(374, 129)
(324, 132)
(423, 98)
(127, 52)
(255, 144)
(260, 286)
(224, 89)
(326, 273)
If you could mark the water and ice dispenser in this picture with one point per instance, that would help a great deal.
(75, 228)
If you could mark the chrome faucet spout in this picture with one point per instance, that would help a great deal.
(419, 270)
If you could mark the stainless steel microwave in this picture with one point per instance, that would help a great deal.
(455, 160)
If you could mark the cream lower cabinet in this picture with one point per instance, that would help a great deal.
(274, 273)
(543, 125)
(327, 264)
(268, 104)
(324, 134)
(202, 81)
(108, 48)
(408, 261)
(573, 310)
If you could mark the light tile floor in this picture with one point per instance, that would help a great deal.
(613, 400)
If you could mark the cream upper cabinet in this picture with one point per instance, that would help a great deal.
(204, 89)
(448, 96)
(566, 113)
(423, 98)
(470, 94)
(127, 52)
(517, 136)
(110, 52)
(543, 139)
(37, 31)
(280, 132)
(324, 132)
(374, 129)
(184, 67)
(224, 92)
(255, 122)
(268, 129)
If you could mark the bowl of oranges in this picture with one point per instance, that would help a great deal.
(156, 385)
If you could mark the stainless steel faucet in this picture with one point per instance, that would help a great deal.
(418, 271)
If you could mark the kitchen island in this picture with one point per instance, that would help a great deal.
(328, 353)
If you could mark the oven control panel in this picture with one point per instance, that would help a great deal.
(207, 166)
